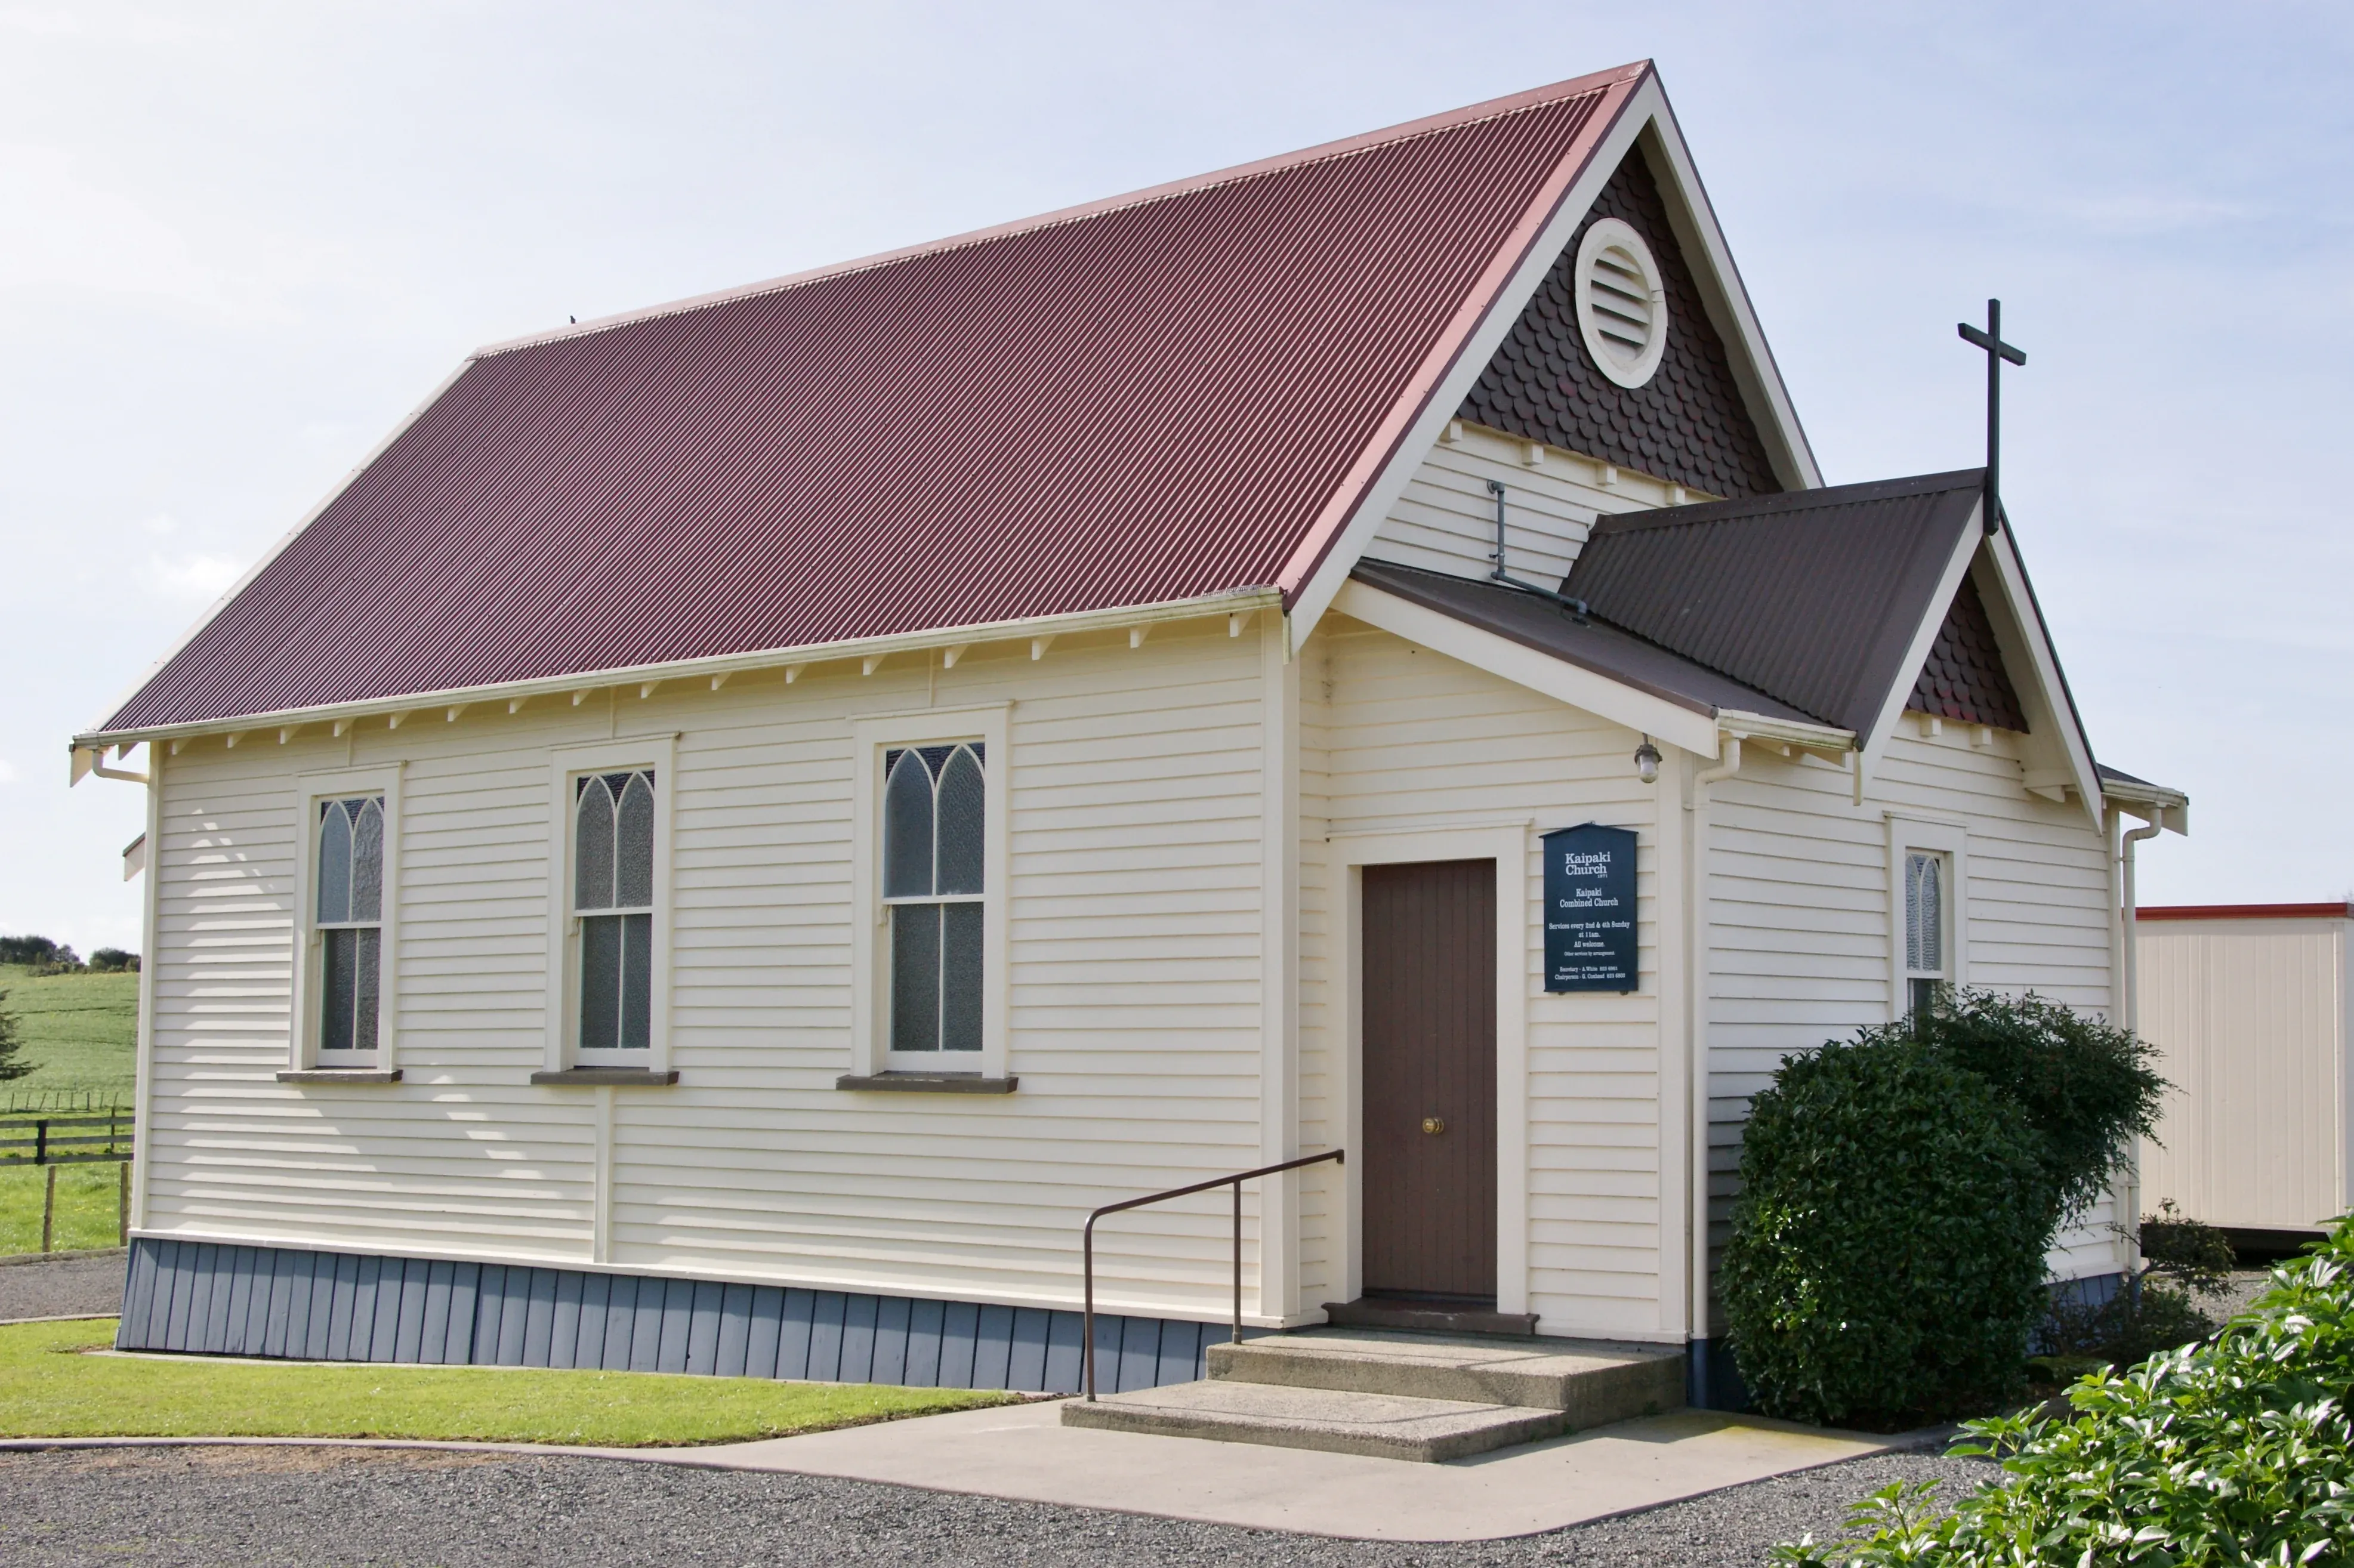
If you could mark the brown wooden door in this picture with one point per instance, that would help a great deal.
(1430, 1078)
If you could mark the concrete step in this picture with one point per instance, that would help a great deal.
(1380, 1425)
(1591, 1382)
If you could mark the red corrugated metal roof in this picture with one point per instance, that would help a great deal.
(1162, 396)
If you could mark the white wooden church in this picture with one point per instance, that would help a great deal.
(740, 824)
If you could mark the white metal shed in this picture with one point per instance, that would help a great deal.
(2248, 1003)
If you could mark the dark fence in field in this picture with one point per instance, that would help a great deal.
(51, 1140)
(65, 1140)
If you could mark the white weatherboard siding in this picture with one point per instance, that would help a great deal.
(1446, 520)
(1800, 925)
(1134, 991)
(1398, 739)
(2251, 1016)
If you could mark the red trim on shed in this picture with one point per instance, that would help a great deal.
(2338, 911)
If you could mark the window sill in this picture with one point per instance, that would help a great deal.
(342, 1076)
(928, 1083)
(591, 1077)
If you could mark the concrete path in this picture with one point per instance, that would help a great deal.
(1025, 1453)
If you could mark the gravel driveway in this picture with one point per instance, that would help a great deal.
(60, 1287)
(329, 1508)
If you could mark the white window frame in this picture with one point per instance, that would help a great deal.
(870, 948)
(1916, 835)
(659, 753)
(315, 790)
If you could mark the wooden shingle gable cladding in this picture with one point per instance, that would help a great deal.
(1963, 678)
(1688, 423)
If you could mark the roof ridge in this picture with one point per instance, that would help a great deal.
(1407, 131)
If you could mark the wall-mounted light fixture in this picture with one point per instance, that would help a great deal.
(1647, 762)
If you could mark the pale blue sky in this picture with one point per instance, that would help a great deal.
(237, 242)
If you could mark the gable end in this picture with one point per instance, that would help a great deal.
(1688, 423)
(1963, 678)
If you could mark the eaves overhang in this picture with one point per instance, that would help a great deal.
(1240, 601)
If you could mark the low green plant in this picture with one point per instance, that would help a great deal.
(1887, 1249)
(2236, 1451)
(2159, 1308)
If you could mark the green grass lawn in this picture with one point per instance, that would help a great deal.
(82, 1031)
(49, 1388)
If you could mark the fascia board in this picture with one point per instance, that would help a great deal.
(261, 565)
(1407, 436)
(2026, 618)
(1875, 739)
(1693, 729)
(1693, 217)
(1246, 601)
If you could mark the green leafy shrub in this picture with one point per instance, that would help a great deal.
(1887, 1250)
(2238, 1451)
(2085, 1087)
(113, 960)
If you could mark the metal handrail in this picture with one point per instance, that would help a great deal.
(1087, 1241)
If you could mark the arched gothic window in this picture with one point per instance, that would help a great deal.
(934, 799)
(1926, 970)
(349, 918)
(613, 898)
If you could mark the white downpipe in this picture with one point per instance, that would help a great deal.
(2129, 1011)
(2129, 1015)
(1696, 975)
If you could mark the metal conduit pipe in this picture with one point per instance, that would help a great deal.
(1696, 1022)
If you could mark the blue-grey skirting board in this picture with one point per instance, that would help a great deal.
(344, 1307)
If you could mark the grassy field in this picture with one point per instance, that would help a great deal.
(81, 1030)
(49, 1388)
(87, 1215)
(82, 1033)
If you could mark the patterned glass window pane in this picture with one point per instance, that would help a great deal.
(637, 981)
(633, 856)
(960, 977)
(907, 827)
(368, 860)
(364, 998)
(962, 795)
(916, 977)
(592, 866)
(600, 982)
(335, 864)
(340, 984)
(1924, 914)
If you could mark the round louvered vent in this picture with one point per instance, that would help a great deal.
(1622, 305)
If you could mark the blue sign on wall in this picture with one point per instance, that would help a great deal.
(1589, 908)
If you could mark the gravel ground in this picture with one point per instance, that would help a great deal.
(90, 1282)
(329, 1508)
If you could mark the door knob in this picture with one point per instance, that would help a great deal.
(1434, 1124)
